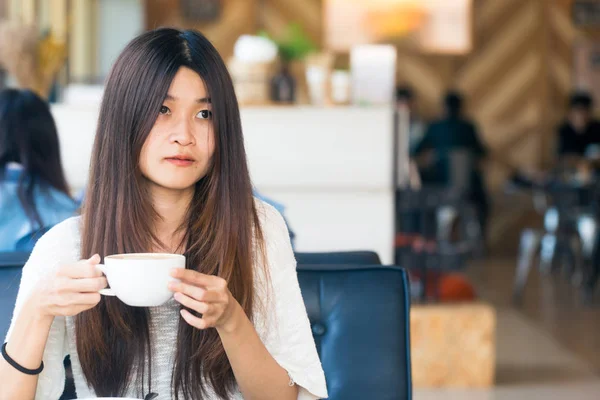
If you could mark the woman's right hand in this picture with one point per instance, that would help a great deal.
(72, 289)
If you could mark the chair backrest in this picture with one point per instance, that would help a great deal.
(11, 264)
(27, 242)
(360, 322)
(460, 169)
(340, 257)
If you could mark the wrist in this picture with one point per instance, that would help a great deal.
(36, 315)
(28, 339)
(234, 322)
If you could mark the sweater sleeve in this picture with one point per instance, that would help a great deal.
(288, 336)
(57, 247)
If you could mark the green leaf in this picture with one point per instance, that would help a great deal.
(294, 44)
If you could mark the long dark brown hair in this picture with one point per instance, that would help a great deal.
(222, 226)
(28, 136)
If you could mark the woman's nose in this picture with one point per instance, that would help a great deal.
(182, 133)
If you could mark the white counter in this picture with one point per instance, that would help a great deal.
(330, 167)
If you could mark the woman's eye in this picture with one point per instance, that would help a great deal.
(164, 110)
(204, 114)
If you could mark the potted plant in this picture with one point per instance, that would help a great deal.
(293, 47)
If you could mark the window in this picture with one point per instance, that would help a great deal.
(431, 26)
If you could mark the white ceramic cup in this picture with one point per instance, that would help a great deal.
(340, 87)
(109, 398)
(140, 279)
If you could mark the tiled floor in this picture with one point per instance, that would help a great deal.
(550, 302)
(548, 349)
(574, 391)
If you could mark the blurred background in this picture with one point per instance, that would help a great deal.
(454, 138)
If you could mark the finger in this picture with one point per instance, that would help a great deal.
(76, 299)
(199, 294)
(82, 269)
(192, 291)
(186, 301)
(198, 279)
(85, 299)
(196, 322)
(85, 285)
(212, 296)
(74, 310)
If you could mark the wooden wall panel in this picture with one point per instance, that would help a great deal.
(520, 47)
(500, 78)
(241, 16)
(238, 17)
(276, 14)
(516, 79)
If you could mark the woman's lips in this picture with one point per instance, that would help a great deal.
(180, 161)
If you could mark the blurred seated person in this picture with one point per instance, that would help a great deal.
(579, 133)
(34, 195)
(578, 145)
(279, 207)
(453, 132)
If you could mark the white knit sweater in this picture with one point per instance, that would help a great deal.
(282, 324)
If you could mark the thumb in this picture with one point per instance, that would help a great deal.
(95, 259)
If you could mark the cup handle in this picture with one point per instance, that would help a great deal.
(105, 291)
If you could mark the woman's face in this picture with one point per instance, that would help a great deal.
(180, 146)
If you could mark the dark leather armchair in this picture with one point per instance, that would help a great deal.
(360, 321)
(11, 264)
(339, 257)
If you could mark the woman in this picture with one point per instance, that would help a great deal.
(34, 195)
(168, 174)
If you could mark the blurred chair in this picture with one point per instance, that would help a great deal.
(340, 257)
(460, 164)
(430, 253)
(569, 234)
(360, 319)
(448, 213)
(562, 239)
(27, 242)
(528, 248)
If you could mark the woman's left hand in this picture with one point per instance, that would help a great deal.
(207, 295)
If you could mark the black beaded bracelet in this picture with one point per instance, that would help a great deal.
(19, 367)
